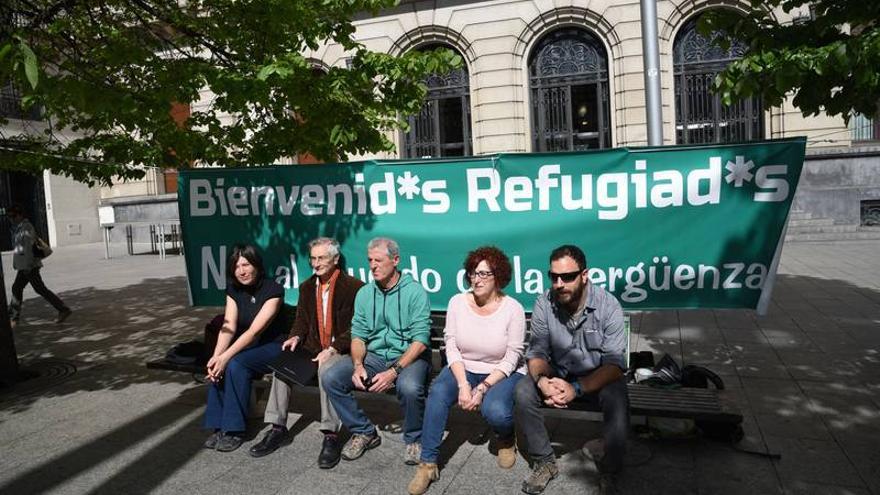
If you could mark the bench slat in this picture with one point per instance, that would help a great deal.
(672, 402)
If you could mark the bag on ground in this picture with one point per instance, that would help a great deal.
(212, 331)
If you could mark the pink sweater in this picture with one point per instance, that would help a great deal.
(485, 343)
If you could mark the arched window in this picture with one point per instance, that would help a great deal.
(700, 117)
(568, 79)
(443, 126)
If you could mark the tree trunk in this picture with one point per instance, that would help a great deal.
(8, 356)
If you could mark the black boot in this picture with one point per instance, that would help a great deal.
(330, 452)
(270, 442)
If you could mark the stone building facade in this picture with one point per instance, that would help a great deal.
(517, 50)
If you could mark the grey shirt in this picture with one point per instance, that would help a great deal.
(575, 348)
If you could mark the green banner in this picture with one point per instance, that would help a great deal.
(663, 227)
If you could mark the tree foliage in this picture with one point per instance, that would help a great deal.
(828, 60)
(111, 69)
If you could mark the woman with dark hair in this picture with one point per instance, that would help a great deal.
(484, 334)
(27, 267)
(253, 328)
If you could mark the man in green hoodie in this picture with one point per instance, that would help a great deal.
(390, 334)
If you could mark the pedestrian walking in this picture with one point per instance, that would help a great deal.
(27, 267)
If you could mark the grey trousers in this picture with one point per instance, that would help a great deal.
(279, 400)
(613, 400)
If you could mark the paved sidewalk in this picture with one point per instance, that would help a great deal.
(807, 377)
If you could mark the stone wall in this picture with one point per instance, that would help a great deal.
(140, 213)
(835, 182)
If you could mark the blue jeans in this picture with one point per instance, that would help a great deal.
(410, 386)
(228, 400)
(497, 408)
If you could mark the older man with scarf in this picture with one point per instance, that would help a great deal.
(323, 329)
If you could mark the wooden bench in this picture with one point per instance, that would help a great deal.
(699, 404)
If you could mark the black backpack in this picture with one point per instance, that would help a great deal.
(700, 377)
(694, 376)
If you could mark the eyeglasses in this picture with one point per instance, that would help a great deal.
(482, 275)
(566, 277)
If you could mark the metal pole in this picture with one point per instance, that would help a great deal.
(651, 57)
(106, 230)
(161, 241)
(770, 282)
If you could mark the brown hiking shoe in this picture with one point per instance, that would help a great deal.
(542, 473)
(425, 474)
(506, 453)
(358, 444)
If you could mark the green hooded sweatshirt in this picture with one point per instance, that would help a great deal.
(388, 321)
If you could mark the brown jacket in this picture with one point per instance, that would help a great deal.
(306, 324)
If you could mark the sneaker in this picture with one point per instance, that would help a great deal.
(229, 442)
(270, 442)
(506, 453)
(63, 314)
(425, 474)
(541, 474)
(358, 444)
(211, 442)
(412, 454)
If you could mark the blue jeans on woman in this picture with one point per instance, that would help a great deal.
(228, 400)
(496, 408)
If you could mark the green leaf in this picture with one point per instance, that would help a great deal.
(31, 69)
(266, 71)
(335, 134)
(7, 47)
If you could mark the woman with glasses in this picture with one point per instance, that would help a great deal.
(484, 335)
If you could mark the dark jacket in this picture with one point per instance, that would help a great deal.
(306, 324)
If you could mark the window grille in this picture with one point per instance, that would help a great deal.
(700, 117)
(863, 128)
(568, 79)
(10, 105)
(870, 213)
(443, 126)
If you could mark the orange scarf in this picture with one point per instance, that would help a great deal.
(325, 328)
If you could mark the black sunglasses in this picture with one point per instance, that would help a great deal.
(566, 277)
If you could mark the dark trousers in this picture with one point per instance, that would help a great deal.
(32, 276)
(228, 400)
(612, 400)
